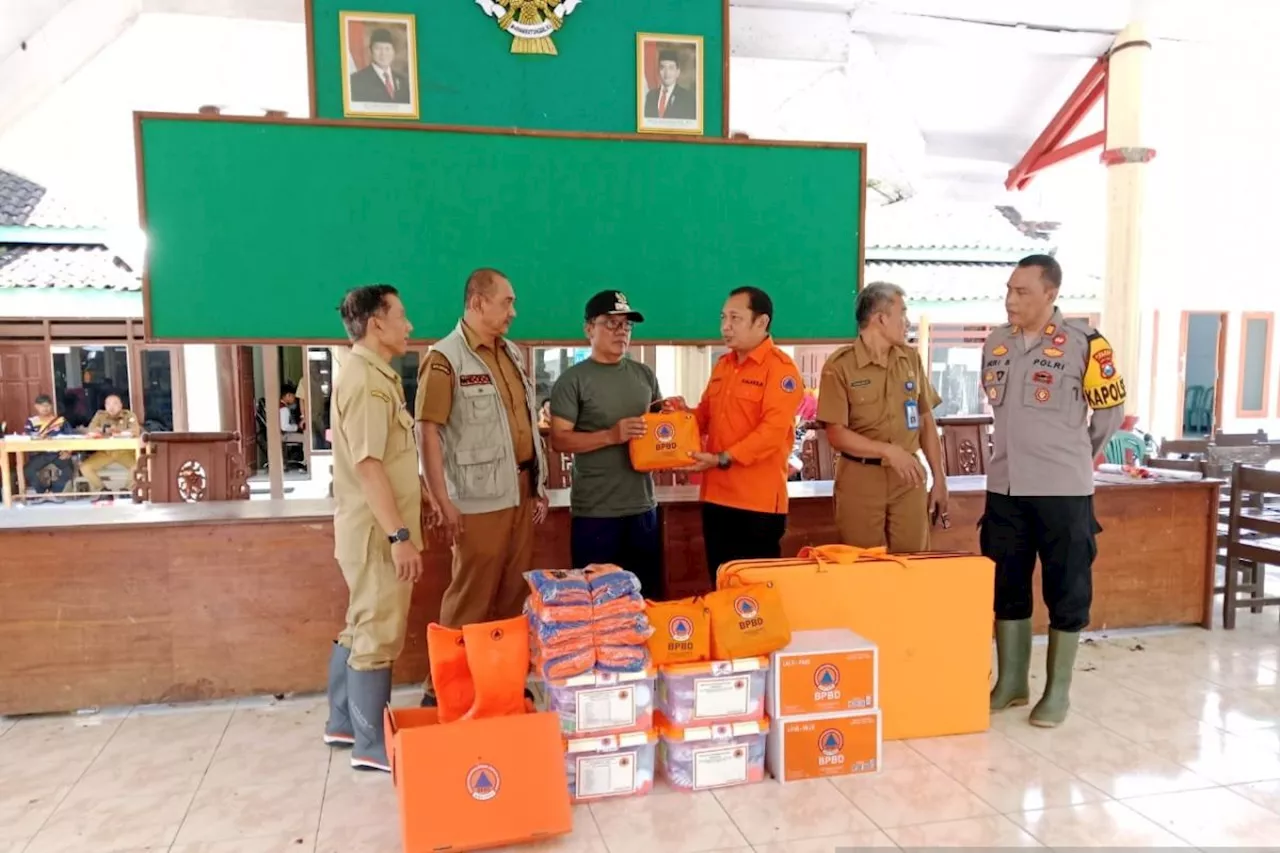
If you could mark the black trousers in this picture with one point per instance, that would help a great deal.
(739, 534)
(1062, 532)
(633, 542)
(37, 462)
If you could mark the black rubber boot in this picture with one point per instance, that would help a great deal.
(1013, 661)
(338, 730)
(368, 694)
(1052, 708)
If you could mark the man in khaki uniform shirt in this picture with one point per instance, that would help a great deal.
(377, 523)
(112, 421)
(876, 402)
(482, 458)
(1043, 376)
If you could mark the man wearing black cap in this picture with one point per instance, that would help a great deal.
(596, 408)
(670, 100)
(377, 82)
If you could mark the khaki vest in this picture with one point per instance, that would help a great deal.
(479, 457)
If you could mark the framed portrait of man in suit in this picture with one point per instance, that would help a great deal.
(380, 65)
(669, 71)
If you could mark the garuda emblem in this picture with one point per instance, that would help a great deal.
(530, 22)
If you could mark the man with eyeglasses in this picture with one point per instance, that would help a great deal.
(596, 409)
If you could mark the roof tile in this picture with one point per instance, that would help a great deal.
(957, 282)
(64, 267)
(24, 202)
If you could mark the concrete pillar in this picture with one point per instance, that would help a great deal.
(1126, 156)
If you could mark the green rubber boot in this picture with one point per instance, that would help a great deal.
(1013, 661)
(1052, 708)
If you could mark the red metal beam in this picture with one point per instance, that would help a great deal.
(1066, 152)
(1048, 147)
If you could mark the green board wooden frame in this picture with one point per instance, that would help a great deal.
(596, 59)
(257, 226)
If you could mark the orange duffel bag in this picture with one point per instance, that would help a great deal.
(747, 622)
(681, 631)
(930, 615)
(668, 440)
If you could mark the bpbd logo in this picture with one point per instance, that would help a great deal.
(680, 629)
(483, 782)
(830, 748)
(666, 435)
(748, 612)
(826, 683)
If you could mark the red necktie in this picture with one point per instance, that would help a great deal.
(391, 86)
(662, 104)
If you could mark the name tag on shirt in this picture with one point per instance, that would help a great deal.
(913, 414)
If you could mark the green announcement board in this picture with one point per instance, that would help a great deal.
(466, 73)
(256, 228)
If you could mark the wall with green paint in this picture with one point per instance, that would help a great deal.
(263, 238)
(468, 76)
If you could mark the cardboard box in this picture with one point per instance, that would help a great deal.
(825, 745)
(824, 672)
(473, 784)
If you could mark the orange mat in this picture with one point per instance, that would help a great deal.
(929, 614)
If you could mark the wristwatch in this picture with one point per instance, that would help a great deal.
(401, 535)
(725, 461)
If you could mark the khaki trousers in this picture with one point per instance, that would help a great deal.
(91, 467)
(490, 558)
(876, 509)
(377, 608)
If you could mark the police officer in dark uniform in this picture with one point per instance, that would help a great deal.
(1042, 375)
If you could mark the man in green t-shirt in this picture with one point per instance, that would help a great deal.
(596, 408)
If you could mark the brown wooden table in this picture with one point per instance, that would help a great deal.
(163, 603)
(18, 448)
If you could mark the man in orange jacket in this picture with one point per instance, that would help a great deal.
(747, 418)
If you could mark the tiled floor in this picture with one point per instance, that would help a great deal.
(1174, 741)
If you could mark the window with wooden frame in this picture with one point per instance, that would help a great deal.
(1253, 395)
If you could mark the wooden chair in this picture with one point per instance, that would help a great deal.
(1253, 541)
(1239, 439)
(1184, 448)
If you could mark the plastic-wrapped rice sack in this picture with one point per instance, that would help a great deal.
(558, 665)
(608, 582)
(562, 633)
(603, 703)
(622, 658)
(555, 588)
(627, 605)
(562, 614)
(713, 691)
(597, 767)
(696, 759)
(623, 631)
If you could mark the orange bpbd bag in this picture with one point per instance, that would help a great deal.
(681, 631)
(747, 621)
(668, 440)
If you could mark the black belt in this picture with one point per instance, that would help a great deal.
(861, 460)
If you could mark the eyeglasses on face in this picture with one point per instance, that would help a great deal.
(615, 324)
